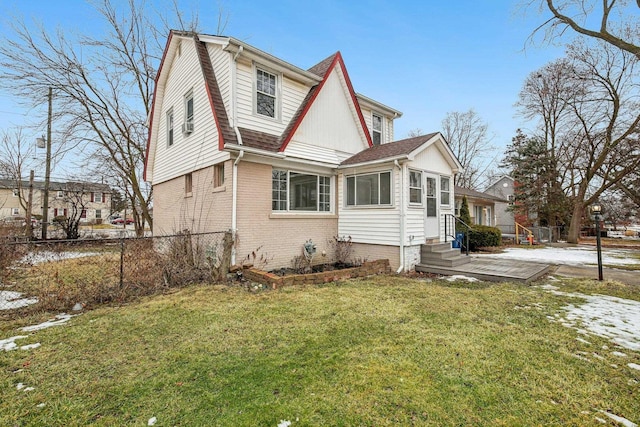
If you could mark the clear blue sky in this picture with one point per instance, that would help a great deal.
(424, 58)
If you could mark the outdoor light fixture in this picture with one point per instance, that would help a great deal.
(597, 211)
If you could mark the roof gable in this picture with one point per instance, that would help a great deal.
(333, 62)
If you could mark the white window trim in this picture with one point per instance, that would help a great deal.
(278, 102)
(377, 206)
(171, 120)
(15, 192)
(421, 188)
(188, 96)
(381, 131)
(289, 211)
(439, 191)
(15, 211)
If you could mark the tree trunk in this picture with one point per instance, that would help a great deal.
(576, 221)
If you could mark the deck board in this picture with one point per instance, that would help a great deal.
(494, 270)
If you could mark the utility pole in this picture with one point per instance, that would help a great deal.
(47, 175)
(29, 207)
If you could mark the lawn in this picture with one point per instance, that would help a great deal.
(381, 351)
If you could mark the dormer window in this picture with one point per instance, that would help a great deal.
(266, 88)
(376, 128)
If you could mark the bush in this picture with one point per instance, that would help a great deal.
(482, 236)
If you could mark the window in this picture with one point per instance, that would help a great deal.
(170, 126)
(510, 198)
(15, 192)
(376, 128)
(97, 197)
(187, 126)
(445, 192)
(297, 191)
(188, 184)
(370, 189)
(458, 207)
(432, 202)
(98, 214)
(265, 93)
(415, 187)
(218, 175)
(15, 211)
(60, 212)
(60, 194)
(83, 214)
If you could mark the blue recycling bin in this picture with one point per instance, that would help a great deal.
(457, 244)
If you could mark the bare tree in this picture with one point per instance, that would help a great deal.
(594, 123)
(102, 87)
(614, 21)
(468, 137)
(76, 198)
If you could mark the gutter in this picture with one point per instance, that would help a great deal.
(393, 159)
(234, 177)
(402, 215)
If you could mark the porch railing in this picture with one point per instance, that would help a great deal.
(450, 222)
(520, 227)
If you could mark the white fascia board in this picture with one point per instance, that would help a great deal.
(375, 162)
(378, 106)
(251, 150)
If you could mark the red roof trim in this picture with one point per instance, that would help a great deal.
(336, 60)
(153, 104)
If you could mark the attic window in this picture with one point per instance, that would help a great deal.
(376, 128)
(266, 84)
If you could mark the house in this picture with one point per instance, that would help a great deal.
(93, 198)
(482, 206)
(503, 189)
(241, 140)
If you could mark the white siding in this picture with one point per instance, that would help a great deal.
(387, 124)
(200, 148)
(330, 130)
(376, 225)
(290, 96)
(432, 159)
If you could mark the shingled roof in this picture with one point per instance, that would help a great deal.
(477, 194)
(390, 150)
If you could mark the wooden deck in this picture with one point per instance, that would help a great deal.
(494, 270)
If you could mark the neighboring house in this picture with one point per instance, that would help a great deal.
(482, 206)
(63, 196)
(503, 189)
(241, 140)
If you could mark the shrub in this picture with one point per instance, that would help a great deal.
(483, 236)
(343, 250)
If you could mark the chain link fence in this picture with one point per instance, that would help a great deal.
(63, 275)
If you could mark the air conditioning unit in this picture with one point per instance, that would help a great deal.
(187, 127)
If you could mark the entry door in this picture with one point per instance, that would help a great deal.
(431, 217)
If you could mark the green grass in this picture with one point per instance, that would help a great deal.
(381, 351)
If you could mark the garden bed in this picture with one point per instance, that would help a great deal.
(275, 281)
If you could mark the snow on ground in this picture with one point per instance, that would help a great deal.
(461, 277)
(59, 319)
(48, 256)
(9, 343)
(617, 319)
(10, 300)
(620, 420)
(575, 255)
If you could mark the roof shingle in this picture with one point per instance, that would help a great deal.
(390, 150)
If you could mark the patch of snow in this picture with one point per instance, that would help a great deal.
(619, 354)
(577, 356)
(582, 341)
(284, 423)
(48, 256)
(621, 420)
(597, 356)
(601, 420)
(461, 277)
(23, 387)
(577, 255)
(41, 405)
(617, 319)
(59, 320)
(30, 346)
(9, 344)
(633, 366)
(10, 300)
(152, 421)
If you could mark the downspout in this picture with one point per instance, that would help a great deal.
(234, 178)
(402, 216)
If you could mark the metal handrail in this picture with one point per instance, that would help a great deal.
(529, 237)
(455, 219)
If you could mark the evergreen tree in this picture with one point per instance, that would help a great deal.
(465, 215)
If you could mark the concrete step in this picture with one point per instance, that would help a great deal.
(436, 247)
(449, 253)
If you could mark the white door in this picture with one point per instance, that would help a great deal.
(431, 222)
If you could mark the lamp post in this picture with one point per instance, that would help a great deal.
(597, 210)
